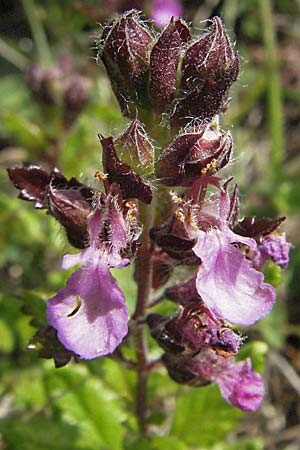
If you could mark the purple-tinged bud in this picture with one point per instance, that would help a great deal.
(125, 53)
(193, 153)
(75, 98)
(42, 82)
(181, 369)
(184, 293)
(209, 68)
(164, 62)
(46, 343)
(133, 147)
(169, 343)
(174, 239)
(194, 328)
(161, 268)
(131, 184)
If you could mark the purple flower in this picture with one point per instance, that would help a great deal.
(163, 10)
(90, 314)
(274, 247)
(227, 282)
(240, 386)
(193, 328)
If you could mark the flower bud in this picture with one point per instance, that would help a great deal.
(42, 83)
(169, 343)
(125, 53)
(162, 268)
(75, 98)
(184, 292)
(164, 63)
(193, 153)
(173, 238)
(133, 147)
(182, 369)
(131, 184)
(209, 68)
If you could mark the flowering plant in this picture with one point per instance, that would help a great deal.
(161, 205)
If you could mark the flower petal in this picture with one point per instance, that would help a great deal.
(89, 314)
(241, 386)
(228, 285)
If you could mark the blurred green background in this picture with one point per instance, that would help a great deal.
(54, 122)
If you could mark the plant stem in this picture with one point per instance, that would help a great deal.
(143, 278)
(275, 114)
(12, 55)
(38, 32)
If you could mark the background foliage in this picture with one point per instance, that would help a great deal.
(90, 405)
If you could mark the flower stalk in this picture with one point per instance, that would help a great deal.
(161, 208)
(143, 274)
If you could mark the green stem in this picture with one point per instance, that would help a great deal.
(143, 279)
(12, 55)
(275, 114)
(38, 32)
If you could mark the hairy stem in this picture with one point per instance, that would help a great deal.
(143, 278)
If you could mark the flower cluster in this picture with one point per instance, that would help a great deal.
(173, 88)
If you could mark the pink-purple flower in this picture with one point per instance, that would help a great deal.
(90, 313)
(226, 280)
(274, 247)
(239, 384)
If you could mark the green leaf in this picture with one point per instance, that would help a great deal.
(37, 433)
(202, 418)
(167, 443)
(84, 401)
(256, 351)
(27, 388)
(23, 131)
(34, 305)
(273, 327)
(127, 284)
(245, 444)
(7, 338)
(16, 93)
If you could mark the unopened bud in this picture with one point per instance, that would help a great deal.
(131, 183)
(125, 54)
(43, 83)
(209, 68)
(164, 63)
(134, 148)
(75, 98)
(193, 153)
